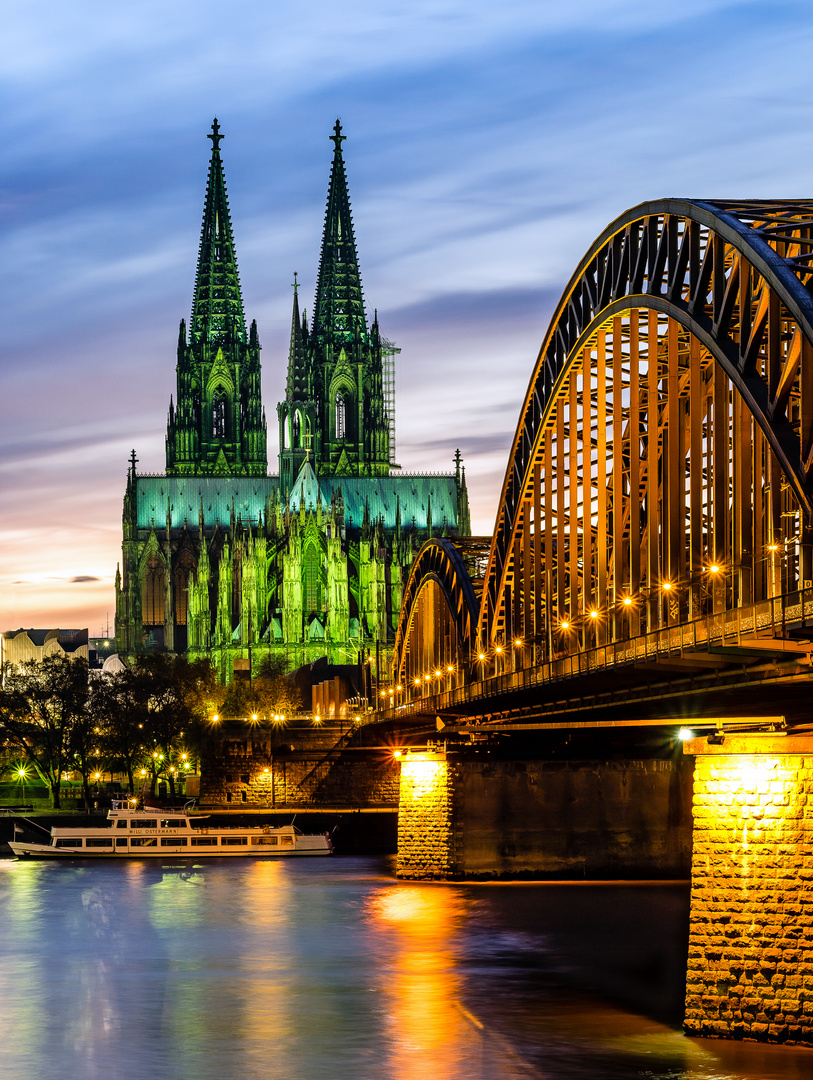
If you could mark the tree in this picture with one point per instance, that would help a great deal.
(119, 714)
(277, 693)
(175, 695)
(43, 716)
(271, 693)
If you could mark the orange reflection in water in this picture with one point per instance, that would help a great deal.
(426, 1024)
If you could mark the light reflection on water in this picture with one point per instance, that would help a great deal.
(325, 970)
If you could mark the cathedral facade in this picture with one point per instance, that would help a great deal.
(221, 558)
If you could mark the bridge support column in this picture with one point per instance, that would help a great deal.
(426, 818)
(750, 968)
(473, 815)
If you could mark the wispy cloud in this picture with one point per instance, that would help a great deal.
(488, 145)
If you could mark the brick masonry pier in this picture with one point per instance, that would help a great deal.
(750, 969)
(470, 817)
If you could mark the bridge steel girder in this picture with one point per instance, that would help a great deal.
(725, 282)
(439, 562)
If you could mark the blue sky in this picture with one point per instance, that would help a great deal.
(488, 144)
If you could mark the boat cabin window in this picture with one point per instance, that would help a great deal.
(271, 841)
(286, 840)
(121, 841)
(204, 841)
(173, 823)
(143, 841)
(174, 841)
(99, 841)
(233, 839)
(121, 823)
(144, 823)
(69, 843)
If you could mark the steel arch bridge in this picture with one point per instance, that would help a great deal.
(661, 474)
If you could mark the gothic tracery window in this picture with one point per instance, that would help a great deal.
(183, 571)
(153, 592)
(341, 417)
(312, 579)
(219, 415)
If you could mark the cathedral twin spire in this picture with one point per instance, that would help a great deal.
(217, 306)
(218, 427)
(339, 307)
(334, 412)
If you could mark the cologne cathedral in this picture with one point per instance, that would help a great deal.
(221, 558)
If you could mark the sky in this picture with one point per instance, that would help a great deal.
(487, 146)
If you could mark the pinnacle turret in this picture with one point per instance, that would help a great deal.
(297, 383)
(217, 306)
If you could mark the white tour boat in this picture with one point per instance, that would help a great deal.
(155, 834)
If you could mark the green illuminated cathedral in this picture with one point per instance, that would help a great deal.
(220, 558)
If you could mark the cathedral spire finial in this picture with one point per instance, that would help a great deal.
(215, 136)
(336, 138)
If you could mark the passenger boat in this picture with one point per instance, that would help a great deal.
(155, 834)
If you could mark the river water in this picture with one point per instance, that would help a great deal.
(332, 970)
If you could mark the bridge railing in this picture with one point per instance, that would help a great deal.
(765, 621)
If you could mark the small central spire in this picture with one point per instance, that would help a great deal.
(215, 136)
(336, 138)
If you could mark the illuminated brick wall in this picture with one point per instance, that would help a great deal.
(426, 840)
(750, 967)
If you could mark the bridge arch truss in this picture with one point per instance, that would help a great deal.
(662, 463)
(436, 630)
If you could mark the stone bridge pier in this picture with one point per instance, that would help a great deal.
(750, 968)
(470, 814)
(735, 816)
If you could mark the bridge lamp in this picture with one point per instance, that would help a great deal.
(498, 649)
(517, 643)
(417, 681)
(715, 568)
(773, 548)
(449, 668)
(383, 693)
(438, 674)
(685, 734)
(564, 625)
(627, 601)
(397, 753)
(667, 586)
(481, 656)
(428, 678)
(21, 773)
(399, 687)
(594, 614)
(215, 718)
